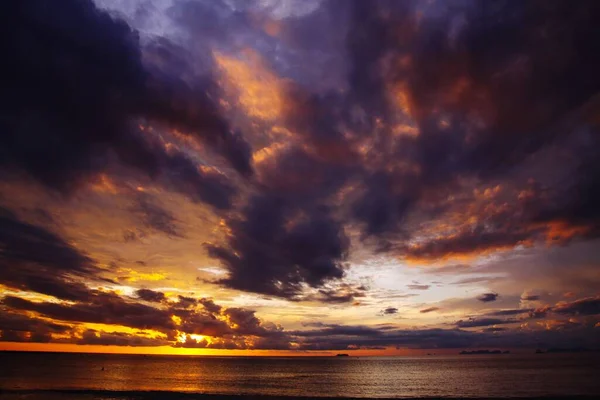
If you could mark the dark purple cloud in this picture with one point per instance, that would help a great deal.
(477, 322)
(21, 328)
(389, 311)
(487, 297)
(210, 305)
(339, 293)
(517, 311)
(491, 61)
(91, 336)
(150, 295)
(272, 254)
(78, 93)
(36, 259)
(587, 306)
(340, 330)
(103, 308)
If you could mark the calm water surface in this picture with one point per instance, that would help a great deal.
(433, 376)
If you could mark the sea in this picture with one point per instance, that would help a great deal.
(71, 376)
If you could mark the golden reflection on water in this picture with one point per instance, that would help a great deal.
(437, 376)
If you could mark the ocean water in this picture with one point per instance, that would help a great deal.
(95, 376)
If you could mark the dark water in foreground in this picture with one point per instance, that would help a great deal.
(413, 377)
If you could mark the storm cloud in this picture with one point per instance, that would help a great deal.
(79, 93)
(286, 148)
(270, 254)
(36, 259)
(405, 107)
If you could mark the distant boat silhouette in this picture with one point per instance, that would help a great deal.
(342, 355)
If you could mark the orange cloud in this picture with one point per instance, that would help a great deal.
(402, 99)
(560, 232)
(103, 184)
(258, 90)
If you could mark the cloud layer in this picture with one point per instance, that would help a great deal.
(275, 152)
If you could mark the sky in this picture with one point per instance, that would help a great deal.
(299, 177)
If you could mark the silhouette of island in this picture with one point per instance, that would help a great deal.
(484, 352)
(342, 355)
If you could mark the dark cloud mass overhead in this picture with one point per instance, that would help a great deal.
(236, 175)
(77, 91)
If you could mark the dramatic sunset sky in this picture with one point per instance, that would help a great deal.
(300, 176)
